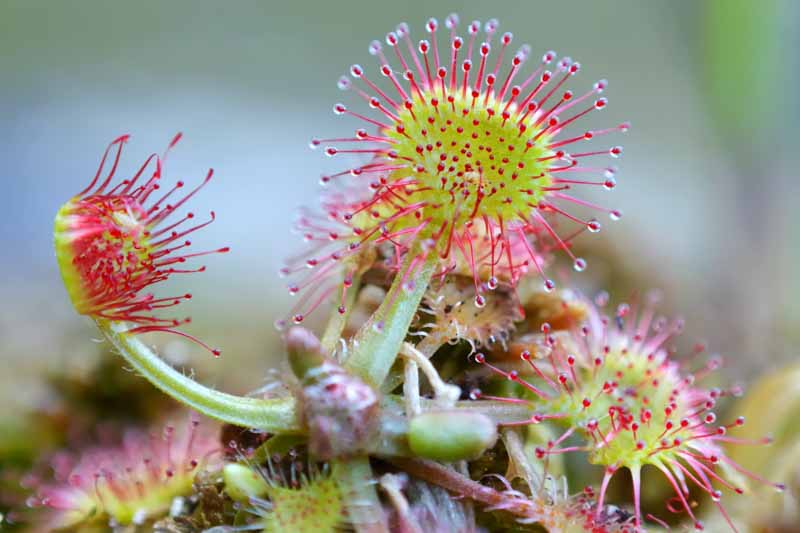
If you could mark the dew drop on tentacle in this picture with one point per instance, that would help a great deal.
(375, 48)
(451, 21)
(432, 25)
(491, 27)
(601, 299)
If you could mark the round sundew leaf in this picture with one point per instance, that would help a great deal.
(469, 157)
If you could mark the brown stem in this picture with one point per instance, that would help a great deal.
(435, 473)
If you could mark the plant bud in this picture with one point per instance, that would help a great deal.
(243, 483)
(340, 410)
(451, 435)
(305, 352)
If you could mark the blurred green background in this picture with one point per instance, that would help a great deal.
(708, 182)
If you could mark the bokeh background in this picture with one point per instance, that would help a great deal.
(708, 182)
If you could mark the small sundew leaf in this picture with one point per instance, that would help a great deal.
(113, 241)
(317, 506)
(129, 484)
(618, 393)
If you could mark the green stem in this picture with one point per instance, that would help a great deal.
(274, 415)
(355, 478)
(499, 412)
(375, 346)
(338, 321)
(520, 461)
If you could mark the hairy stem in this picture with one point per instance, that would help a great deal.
(273, 415)
(376, 345)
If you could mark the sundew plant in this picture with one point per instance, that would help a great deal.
(455, 386)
